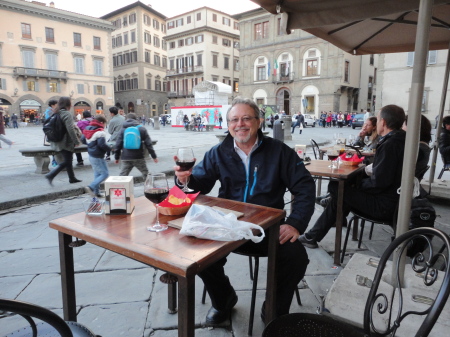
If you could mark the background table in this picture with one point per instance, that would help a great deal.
(180, 255)
(320, 168)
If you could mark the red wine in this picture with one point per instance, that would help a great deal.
(332, 157)
(156, 195)
(185, 165)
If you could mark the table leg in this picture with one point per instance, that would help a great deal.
(186, 306)
(67, 277)
(319, 179)
(339, 217)
(274, 233)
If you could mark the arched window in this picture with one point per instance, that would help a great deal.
(261, 69)
(312, 63)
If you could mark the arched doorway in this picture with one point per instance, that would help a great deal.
(284, 101)
(99, 107)
(130, 107)
(29, 110)
(81, 106)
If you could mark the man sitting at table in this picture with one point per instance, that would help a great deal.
(377, 195)
(369, 129)
(255, 169)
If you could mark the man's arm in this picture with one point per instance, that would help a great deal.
(147, 142)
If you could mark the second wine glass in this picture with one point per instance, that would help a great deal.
(185, 160)
(156, 189)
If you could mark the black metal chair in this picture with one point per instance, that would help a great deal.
(445, 168)
(432, 264)
(52, 324)
(315, 148)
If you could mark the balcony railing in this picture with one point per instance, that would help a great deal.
(283, 78)
(180, 93)
(185, 70)
(40, 73)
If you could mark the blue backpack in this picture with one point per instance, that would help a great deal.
(132, 138)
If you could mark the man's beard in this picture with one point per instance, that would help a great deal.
(241, 140)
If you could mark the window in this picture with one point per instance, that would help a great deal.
(132, 18)
(77, 39)
(157, 60)
(53, 87)
(2, 84)
(180, 43)
(199, 59)
(214, 60)
(179, 22)
(346, 71)
(164, 62)
(236, 25)
(114, 42)
(214, 39)
(261, 73)
(171, 25)
(79, 65)
(99, 90)
(97, 45)
(28, 58)
(226, 21)
(189, 41)
(431, 58)
(26, 31)
(147, 20)
(199, 16)
(164, 45)
(199, 38)
(147, 38)
(133, 36)
(147, 56)
(171, 64)
(311, 68)
(172, 45)
(125, 38)
(149, 83)
(311, 62)
(155, 24)
(31, 86)
(280, 31)
(214, 17)
(236, 65)
(156, 41)
(125, 21)
(226, 62)
(49, 35)
(51, 59)
(226, 42)
(371, 60)
(236, 86)
(119, 41)
(163, 27)
(98, 67)
(117, 23)
(261, 30)
(165, 89)
(80, 88)
(157, 85)
(188, 19)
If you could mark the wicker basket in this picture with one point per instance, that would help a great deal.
(174, 210)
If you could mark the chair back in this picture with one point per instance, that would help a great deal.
(315, 148)
(432, 264)
(422, 173)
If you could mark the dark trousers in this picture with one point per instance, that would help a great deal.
(371, 205)
(66, 164)
(79, 157)
(292, 261)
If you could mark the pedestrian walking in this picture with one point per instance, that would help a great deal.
(114, 128)
(67, 145)
(94, 136)
(2, 131)
(14, 119)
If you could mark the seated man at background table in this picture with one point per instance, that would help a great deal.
(255, 169)
(377, 195)
(369, 129)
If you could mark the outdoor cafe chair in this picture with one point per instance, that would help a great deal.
(315, 148)
(432, 266)
(445, 168)
(51, 325)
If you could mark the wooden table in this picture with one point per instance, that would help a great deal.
(180, 255)
(320, 168)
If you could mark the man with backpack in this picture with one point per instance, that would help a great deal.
(130, 144)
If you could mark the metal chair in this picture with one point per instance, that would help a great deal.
(315, 148)
(432, 265)
(445, 168)
(52, 324)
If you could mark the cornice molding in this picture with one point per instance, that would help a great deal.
(55, 14)
(201, 30)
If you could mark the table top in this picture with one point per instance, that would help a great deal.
(178, 254)
(320, 168)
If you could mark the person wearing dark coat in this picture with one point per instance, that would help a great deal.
(444, 142)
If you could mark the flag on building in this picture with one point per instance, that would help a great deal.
(268, 69)
(275, 67)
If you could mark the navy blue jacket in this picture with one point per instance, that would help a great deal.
(273, 168)
(97, 146)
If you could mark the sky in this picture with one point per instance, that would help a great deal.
(168, 8)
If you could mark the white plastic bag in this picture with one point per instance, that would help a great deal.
(207, 223)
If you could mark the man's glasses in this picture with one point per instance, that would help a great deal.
(244, 119)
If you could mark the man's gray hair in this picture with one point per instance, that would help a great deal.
(247, 101)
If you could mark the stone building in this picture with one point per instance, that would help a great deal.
(139, 59)
(46, 53)
(202, 45)
(297, 71)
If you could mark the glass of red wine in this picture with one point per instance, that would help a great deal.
(332, 155)
(156, 189)
(185, 160)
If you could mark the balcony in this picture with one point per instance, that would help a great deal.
(185, 71)
(39, 73)
(180, 93)
(283, 78)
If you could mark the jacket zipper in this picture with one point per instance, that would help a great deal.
(255, 178)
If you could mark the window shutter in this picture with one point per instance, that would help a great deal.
(432, 56)
(410, 60)
(3, 84)
(58, 87)
(36, 86)
(25, 88)
(103, 90)
(94, 90)
(48, 87)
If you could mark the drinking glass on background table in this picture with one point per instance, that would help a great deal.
(351, 139)
(156, 189)
(367, 141)
(332, 155)
(185, 160)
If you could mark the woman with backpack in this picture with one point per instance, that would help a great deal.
(68, 142)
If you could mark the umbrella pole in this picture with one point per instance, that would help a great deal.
(439, 123)
(412, 136)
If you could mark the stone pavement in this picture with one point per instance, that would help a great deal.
(115, 295)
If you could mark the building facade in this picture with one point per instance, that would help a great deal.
(394, 81)
(295, 72)
(203, 44)
(46, 53)
(139, 59)
(368, 83)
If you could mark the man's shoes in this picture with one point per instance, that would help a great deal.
(74, 181)
(215, 317)
(89, 191)
(310, 243)
(324, 202)
(80, 163)
(321, 197)
(49, 179)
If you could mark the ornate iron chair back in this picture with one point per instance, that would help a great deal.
(431, 263)
(315, 149)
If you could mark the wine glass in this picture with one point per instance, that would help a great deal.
(367, 141)
(351, 139)
(332, 155)
(156, 189)
(185, 160)
(335, 137)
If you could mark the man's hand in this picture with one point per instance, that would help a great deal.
(288, 233)
(181, 175)
(116, 161)
(155, 160)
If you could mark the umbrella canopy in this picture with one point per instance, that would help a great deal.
(364, 26)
